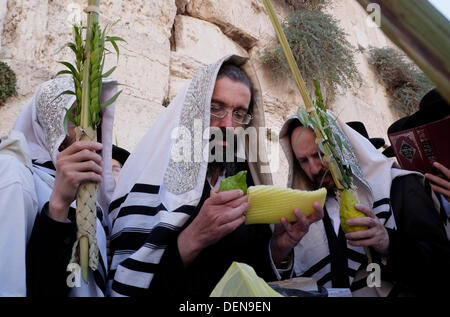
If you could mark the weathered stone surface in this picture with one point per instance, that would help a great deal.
(181, 6)
(182, 69)
(277, 111)
(133, 117)
(164, 51)
(203, 40)
(368, 103)
(197, 43)
(35, 30)
(244, 21)
(3, 8)
(239, 20)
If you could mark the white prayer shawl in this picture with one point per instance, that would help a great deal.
(18, 207)
(373, 181)
(42, 123)
(156, 195)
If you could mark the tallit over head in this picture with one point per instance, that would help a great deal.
(373, 175)
(157, 191)
(42, 123)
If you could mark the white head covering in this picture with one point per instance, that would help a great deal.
(373, 175)
(42, 123)
(155, 193)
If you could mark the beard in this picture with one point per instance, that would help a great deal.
(222, 150)
(324, 179)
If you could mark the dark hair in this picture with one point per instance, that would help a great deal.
(235, 73)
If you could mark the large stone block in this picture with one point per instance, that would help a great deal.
(239, 20)
(203, 40)
(3, 9)
(244, 21)
(182, 69)
(133, 118)
(196, 44)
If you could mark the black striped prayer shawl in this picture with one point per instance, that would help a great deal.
(156, 195)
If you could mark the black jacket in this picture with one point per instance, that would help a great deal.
(48, 253)
(419, 252)
(247, 244)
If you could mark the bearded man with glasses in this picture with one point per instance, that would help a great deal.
(174, 233)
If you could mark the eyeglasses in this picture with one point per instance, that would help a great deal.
(238, 116)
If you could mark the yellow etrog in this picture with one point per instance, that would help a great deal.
(347, 211)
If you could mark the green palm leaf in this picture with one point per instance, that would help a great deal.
(111, 100)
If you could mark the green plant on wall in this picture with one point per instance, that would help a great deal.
(320, 48)
(406, 84)
(7, 82)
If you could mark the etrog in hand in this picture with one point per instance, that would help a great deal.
(268, 204)
(238, 181)
(348, 211)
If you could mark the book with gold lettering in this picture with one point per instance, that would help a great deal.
(418, 148)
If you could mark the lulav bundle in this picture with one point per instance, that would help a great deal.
(332, 151)
(315, 116)
(97, 47)
(87, 75)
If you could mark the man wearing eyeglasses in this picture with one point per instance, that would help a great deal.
(231, 107)
(195, 233)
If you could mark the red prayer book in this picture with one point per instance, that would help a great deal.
(418, 148)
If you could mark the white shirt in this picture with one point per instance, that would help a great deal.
(18, 209)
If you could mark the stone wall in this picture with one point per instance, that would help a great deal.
(2, 18)
(168, 40)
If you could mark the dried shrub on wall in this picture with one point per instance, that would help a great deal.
(7, 82)
(406, 84)
(307, 4)
(320, 48)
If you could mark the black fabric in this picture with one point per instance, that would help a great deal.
(247, 244)
(338, 258)
(359, 127)
(120, 154)
(137, 188)
(48, 165)
(317, 267)
(48, 252)
(419, 251)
